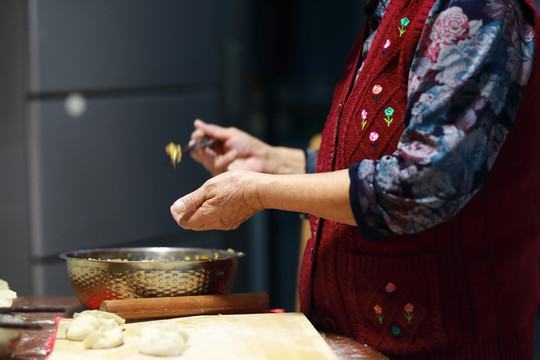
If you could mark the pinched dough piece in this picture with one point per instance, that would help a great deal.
(81, 326)
(91, 326)
(162, 339)
(101, 315)
(104, 339)
(6, 295)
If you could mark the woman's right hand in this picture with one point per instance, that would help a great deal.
(235, 149)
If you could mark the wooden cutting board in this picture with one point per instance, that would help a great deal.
(249, 336)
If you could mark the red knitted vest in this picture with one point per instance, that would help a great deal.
(464, 289)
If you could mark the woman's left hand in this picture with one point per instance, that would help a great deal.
(222, 203)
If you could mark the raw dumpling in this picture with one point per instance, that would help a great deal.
(81, 326)
(6, 295)
(104, 339)
(96, 329)
(162, 339)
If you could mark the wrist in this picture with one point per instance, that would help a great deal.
(262, 189)
(283, 160)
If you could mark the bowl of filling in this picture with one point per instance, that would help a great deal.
(125, 273)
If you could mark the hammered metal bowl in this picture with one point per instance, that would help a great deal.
(123, 273)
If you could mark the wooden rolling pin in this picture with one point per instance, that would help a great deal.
(152, 308)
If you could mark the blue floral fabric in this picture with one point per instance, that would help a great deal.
(465, 86)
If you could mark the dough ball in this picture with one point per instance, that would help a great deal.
(163, 339)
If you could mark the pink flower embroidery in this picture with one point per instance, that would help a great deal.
(377, 89)
(390, 288)
(364, 116)
(373, 136)
(385, 47)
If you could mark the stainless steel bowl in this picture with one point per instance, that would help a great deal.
(123, 273)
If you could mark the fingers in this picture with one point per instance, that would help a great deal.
(190, 213)
(222, 162)
(187, 205)
(211, 130)
(221, 203)
(196, 135)
(205, 156)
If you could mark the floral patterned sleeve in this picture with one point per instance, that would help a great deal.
(465, 86)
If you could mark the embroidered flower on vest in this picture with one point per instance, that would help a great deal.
(386, 46)
(390, 288)
(364, 116)
(373, 136)
(409, 308)
(404, 23)
(388, 112)
(378, 313)
(377, 89)
(396, 331)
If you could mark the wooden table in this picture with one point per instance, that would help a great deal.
(32, 343)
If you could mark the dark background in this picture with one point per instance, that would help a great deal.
(147, 69)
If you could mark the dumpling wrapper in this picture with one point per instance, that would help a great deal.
(163, 339)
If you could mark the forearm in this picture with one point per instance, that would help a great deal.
(324, 194)
(283, 160)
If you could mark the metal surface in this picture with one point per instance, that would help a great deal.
(125, 273)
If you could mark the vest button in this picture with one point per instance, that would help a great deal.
(311, 254)
(329, 324)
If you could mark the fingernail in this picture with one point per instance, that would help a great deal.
(179, 207)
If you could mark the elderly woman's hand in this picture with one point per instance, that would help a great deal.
(237, 150)
(229, 199)
(222, 203)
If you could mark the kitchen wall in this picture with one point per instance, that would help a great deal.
(91, 92)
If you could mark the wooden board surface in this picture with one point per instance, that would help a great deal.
(251, 336)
